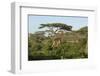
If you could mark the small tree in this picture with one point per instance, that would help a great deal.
(56, 31)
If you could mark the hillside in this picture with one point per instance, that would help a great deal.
(73, 46)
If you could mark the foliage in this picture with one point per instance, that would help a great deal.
(74, 45)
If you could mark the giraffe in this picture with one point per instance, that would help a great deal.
(57, 39)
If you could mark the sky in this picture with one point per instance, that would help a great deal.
(75, 21)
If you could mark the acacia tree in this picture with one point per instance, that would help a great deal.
(56, 31)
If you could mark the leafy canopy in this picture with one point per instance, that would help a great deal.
(59, 26)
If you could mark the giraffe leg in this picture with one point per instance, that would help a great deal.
(53, 44)
(58, 43)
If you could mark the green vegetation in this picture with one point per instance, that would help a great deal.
(59, 41)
